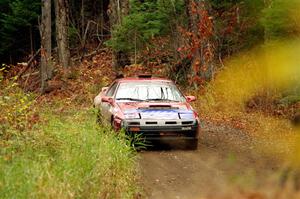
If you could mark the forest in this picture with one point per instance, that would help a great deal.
(176, 34)
(240, 58)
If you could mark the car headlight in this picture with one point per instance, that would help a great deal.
(133, 115)
(187, 115)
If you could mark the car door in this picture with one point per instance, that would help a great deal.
(106, 108)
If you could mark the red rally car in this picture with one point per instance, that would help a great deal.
(152, 107)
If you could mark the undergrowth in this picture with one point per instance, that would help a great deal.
(67, 156)
(16, 107)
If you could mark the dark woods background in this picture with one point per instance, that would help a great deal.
(181, 33)
(20, 21)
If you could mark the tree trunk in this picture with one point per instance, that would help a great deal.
(118, 9)
(45, 32)
(101, 18)
(62, 25)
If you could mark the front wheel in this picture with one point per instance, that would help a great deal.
(191, 144)
(99, 118)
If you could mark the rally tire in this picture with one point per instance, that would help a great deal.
(191, 144)
(99, 118)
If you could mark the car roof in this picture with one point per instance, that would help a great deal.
(139, 79)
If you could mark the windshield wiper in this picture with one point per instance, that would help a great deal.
(128, 98)
(160, 99)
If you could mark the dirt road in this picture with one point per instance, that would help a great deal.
(225, 166)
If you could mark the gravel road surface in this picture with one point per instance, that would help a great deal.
(227, 164)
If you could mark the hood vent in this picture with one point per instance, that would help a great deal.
(160, 105)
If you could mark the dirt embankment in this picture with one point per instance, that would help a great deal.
(226, 165)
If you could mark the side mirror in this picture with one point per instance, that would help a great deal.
(190, 98)
(107, 99)
(104, 89)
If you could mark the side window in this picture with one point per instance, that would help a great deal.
(112, 90)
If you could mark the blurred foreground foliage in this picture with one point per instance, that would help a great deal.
(258, 92)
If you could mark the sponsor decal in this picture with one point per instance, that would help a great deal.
(161, 113)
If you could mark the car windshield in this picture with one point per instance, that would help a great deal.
(148, 91)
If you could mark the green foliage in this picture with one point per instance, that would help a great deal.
(73, 36)
(146, 20)
(291, 95)
(68, 157)
(290, 100)
(237, 24)
(137, 141)
(281, 19)
(16, 19)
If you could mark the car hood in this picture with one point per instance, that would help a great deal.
(151, 110)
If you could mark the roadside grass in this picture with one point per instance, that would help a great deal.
(68, 155)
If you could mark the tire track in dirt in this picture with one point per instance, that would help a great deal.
(224, 164)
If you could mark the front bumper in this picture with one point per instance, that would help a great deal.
(163, 129)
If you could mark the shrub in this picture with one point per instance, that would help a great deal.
(16, 108)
